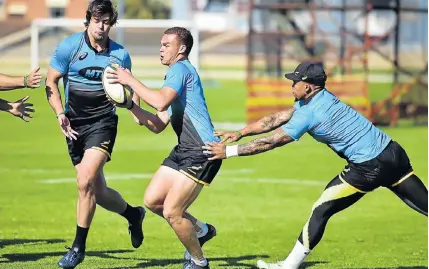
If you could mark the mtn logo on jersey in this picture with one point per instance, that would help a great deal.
(91, 73)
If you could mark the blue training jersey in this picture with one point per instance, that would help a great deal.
(343, 129)
(82, 67)
(188, 113)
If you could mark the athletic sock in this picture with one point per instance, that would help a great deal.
(79, 243)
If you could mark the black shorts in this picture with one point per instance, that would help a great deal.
(389, 168)
(193, 164)
(100, 135)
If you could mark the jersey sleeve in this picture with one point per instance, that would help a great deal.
(127, 61)
(61, 59)
(176, 78)
(299, 124)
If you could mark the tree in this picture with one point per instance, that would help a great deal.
(146, 9)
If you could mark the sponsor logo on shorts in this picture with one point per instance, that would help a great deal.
(194, 169)
(105, 144)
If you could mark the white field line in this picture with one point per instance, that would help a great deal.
(225, 175)
(224, 178)
(131, 176)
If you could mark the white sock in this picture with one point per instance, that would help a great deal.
(198, 262)
(204, 229)
(297, 255)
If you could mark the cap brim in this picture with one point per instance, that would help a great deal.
(292, 76)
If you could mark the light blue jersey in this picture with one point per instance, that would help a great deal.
(188, 113)
(82, 67)
(330, 121)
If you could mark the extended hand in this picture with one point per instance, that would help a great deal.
(21, 109)
(66, 128)
(34, 78)
(216, 150)
(120, 75)
(229, 136)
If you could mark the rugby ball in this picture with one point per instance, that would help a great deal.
(116, 92)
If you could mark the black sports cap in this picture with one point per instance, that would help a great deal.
(309, 72)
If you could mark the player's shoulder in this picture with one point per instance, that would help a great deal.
(116, 46)
(180, 67)
(118, 50)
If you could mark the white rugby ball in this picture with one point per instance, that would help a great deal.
(117, 93)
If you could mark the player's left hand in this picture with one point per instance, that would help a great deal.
(216, 150)
(120, 75)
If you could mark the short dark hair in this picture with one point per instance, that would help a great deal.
(98, 8)
(184, 36)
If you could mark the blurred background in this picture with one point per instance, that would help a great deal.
(375, 51)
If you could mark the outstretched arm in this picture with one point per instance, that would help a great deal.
(16, 82)
(256, 146)
(264, 125)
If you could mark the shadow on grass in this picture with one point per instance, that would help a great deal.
(13, 242)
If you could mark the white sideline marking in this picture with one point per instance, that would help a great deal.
(109, 177)
(126, 176)
(224, 178)
(287, 181)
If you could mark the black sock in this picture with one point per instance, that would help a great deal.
(80, 239)
(132, 214)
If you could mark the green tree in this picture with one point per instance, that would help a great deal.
(146, 9)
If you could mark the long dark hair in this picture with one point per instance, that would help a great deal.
(98, 8)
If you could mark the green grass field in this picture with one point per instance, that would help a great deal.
(258, 204)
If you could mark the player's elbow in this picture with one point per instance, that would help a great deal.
(161, 104)
(161, 107)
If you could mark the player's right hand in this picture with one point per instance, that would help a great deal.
(229, 136)
(34, 78)
(66, 128)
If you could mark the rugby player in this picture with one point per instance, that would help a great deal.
(89, 121)
(373, 158)
(182, 175)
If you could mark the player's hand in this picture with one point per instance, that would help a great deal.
(21, 109)
(66, 128)
(229, 136)
(216, 150)
(120, 75)
(34, 78)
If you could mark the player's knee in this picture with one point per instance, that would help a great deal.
(86, 182)
(172, 216)
(321, 214)
(152, 204)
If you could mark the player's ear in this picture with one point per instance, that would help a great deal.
(307, 88)
(182, 49)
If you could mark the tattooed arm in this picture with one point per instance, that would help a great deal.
(256, 146)
(268, 123)
(266, 143)
(264, 125)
